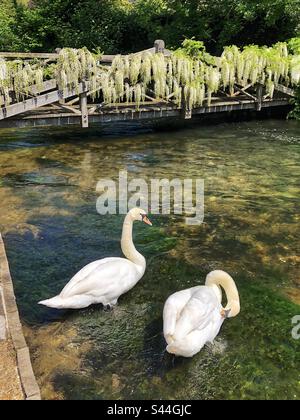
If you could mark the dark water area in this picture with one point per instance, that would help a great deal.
(251, 229)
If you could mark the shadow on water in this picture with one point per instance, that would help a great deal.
(41, 137)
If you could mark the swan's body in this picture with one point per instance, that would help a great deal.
(104, 281)
(193, 317)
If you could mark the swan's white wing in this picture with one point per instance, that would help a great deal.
(173, 308)
(89, 268)
(189, 345)
(198, 312)
(101, 278)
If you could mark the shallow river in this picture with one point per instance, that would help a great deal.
(251, 229)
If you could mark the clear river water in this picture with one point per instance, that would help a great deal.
(251, 229)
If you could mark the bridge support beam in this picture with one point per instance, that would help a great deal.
(84, 110)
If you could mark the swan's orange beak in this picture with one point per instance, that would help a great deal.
(146, 220)
(225, 313)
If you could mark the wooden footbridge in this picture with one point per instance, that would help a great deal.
(46, 105)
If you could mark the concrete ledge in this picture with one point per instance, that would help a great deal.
(28, 380)
(3, 325)
(9, 310)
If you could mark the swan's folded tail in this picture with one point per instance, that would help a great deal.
(56, 302)
(189, 345)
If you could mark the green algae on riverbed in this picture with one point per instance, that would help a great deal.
(255, 356)
(251, 229)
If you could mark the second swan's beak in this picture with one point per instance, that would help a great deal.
(225, 313)
(146, 220)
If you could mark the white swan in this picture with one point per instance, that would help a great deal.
(193, 317)
(104, 281)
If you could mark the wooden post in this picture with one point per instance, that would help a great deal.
(259, 95)
(159, 46)
(84, 110)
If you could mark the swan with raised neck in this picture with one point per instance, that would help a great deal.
(104, 281)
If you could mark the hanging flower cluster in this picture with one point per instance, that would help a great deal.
(16, 78)
(252, 65)
(131, 78)
(190, 80)
(74, 66)
(295, 70)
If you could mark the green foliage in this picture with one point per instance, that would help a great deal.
(294, 45)
(49, 71)
(193, 48)
(266, 20)
(44, 25)
(8, 40)
(196, 50)
(126, 26)
(218, 23)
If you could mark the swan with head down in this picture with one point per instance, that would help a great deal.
(193, 317)
(104, 281)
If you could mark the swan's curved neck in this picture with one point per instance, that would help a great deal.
(220, 278)
(128, 247)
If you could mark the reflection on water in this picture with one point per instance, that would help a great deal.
(251, 229)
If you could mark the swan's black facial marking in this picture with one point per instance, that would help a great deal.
(225, 313)
(144, 216)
